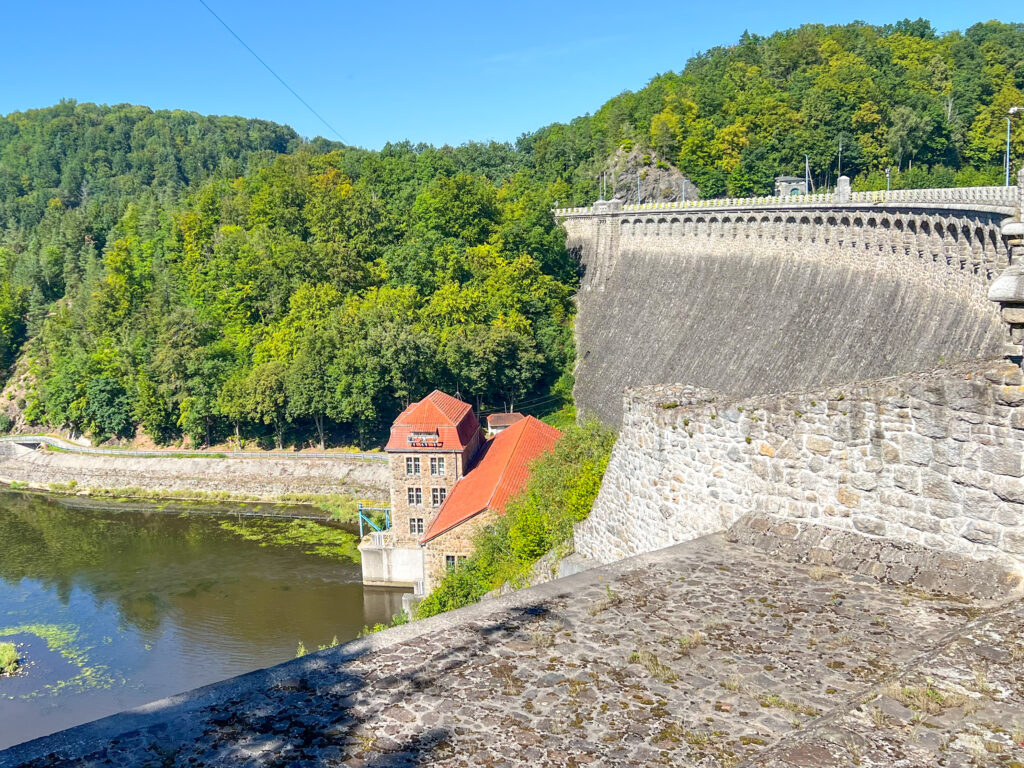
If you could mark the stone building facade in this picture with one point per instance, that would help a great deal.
(431, 446)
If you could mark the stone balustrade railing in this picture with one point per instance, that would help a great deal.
(996, 197)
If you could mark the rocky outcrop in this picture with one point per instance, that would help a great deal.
(660, 181)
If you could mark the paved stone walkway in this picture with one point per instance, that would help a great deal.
(706, 654)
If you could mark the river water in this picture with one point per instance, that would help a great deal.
(113, 608)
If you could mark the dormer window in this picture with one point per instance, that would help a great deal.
(424, 439)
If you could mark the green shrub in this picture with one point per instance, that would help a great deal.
(5, 423)
(561, 490)
(9, 659)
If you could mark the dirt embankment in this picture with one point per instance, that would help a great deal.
(258, 478)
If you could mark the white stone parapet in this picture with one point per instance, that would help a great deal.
(1005, 198)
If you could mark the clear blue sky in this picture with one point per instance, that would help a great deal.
(441, 73)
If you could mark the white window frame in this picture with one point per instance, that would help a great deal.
(437, 466)
(415, 526)
(414, 495)
(412, 465)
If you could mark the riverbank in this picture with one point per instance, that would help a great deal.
(194, 478)
(112, 605)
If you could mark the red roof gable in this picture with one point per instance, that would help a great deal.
(438, 422)
(501, 470)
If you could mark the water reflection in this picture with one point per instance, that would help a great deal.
(115, 608)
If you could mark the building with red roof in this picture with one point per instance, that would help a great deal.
(496, 422)
(500, 471)
(446, 483)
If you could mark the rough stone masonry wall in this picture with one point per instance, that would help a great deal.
(749, 303)
(256, 477)
(935, 459)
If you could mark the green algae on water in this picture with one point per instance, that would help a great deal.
(64, 639)
(314, 537)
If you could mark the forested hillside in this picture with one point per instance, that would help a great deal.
(214, 277)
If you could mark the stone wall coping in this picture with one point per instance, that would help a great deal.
(998, 199)
(688, 397)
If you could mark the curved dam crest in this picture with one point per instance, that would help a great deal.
(749, 302)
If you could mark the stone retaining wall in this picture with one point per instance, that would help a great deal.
(935, 459)
(256, 477)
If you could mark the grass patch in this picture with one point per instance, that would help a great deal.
(771, 700)
(338, 506)
(560, 492)
(396, 621)
(10, 659)
(693, 640)
(927, 700)
(654, 666)
(610, 600)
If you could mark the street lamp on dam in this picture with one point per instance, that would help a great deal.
(1009, 122)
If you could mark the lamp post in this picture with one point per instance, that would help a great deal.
(1009, 119)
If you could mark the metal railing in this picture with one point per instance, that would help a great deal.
(379, 533)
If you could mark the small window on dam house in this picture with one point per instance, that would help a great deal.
(416, 525)
(415, 496)
(437, 465)
(412, 465)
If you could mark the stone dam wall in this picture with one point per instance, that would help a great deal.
(260, 478)
(750, 300)
(934, 459)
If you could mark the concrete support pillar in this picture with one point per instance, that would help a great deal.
(843, 189)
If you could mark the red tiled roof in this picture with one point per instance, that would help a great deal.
(438, 422)
(503, 419)
(501, 470)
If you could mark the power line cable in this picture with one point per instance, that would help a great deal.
(271, 71)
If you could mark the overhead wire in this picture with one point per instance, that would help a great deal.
(271, 71)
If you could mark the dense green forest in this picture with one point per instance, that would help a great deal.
(215, 277)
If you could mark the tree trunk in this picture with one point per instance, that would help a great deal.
(318, 419)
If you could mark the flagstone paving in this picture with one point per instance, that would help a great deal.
(709, 653)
